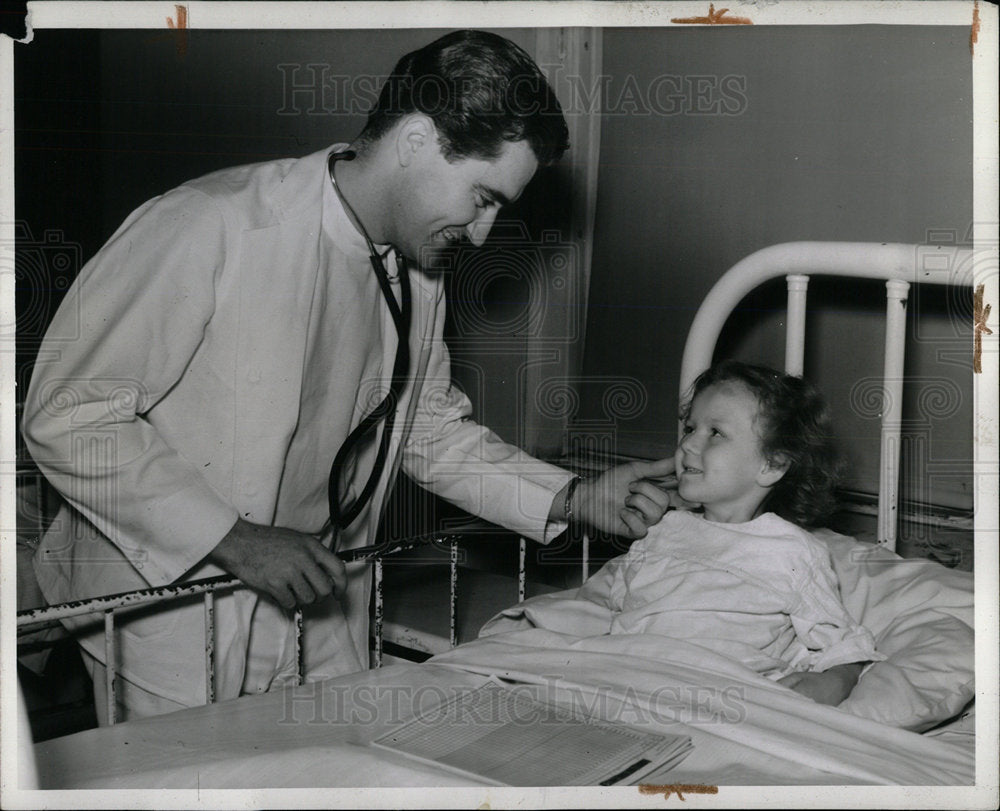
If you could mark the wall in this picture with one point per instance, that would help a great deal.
(109, 119)
(764, 135)
(58, 186)
(859, 133)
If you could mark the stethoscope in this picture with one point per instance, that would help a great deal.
(342, 516)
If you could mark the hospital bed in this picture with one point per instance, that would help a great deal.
(909, 721)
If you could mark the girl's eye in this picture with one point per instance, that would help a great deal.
(687, 429)
(716, 432)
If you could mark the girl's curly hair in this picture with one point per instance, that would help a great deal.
(795, 429)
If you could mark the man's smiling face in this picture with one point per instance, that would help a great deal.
(444, 202)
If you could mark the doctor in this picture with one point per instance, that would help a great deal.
(244, 331)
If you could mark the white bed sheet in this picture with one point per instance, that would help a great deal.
(747, 730)
(920, 613)
(315, 735)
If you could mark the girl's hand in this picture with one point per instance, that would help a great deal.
(829, 687)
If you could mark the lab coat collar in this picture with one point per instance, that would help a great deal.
(310, 173)
(342, 227)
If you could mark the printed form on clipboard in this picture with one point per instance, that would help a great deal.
(509, 738)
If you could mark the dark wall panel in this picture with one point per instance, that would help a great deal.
(718, 142)
(109, 119)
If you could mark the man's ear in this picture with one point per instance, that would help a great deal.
(772, 470)
(416, 131)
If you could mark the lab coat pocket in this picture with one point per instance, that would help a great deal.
(161, 649)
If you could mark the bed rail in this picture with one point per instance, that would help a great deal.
(899, 265)
(35, 619)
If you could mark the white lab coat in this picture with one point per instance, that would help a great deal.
(168, 398)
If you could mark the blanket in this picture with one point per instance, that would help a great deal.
(750, 728)
(747, 730)
(920, 613)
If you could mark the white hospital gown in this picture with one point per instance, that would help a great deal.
(763, 592)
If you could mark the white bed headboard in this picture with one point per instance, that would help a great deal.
(899, 265)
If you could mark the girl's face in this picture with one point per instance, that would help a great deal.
(719, 460)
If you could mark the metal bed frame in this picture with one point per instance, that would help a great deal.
(898, 265)
(36, 619)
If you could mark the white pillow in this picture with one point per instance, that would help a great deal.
(921, 614)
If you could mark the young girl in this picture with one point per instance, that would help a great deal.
(743, 577)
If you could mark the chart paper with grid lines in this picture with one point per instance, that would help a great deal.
(509, 738)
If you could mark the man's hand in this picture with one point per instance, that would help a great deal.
(829, 687)
(624, 500)
(292, 567)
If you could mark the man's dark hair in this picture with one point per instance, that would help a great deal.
(481, 91)
(795, 429)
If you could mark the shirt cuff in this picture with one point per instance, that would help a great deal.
(534, 507)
